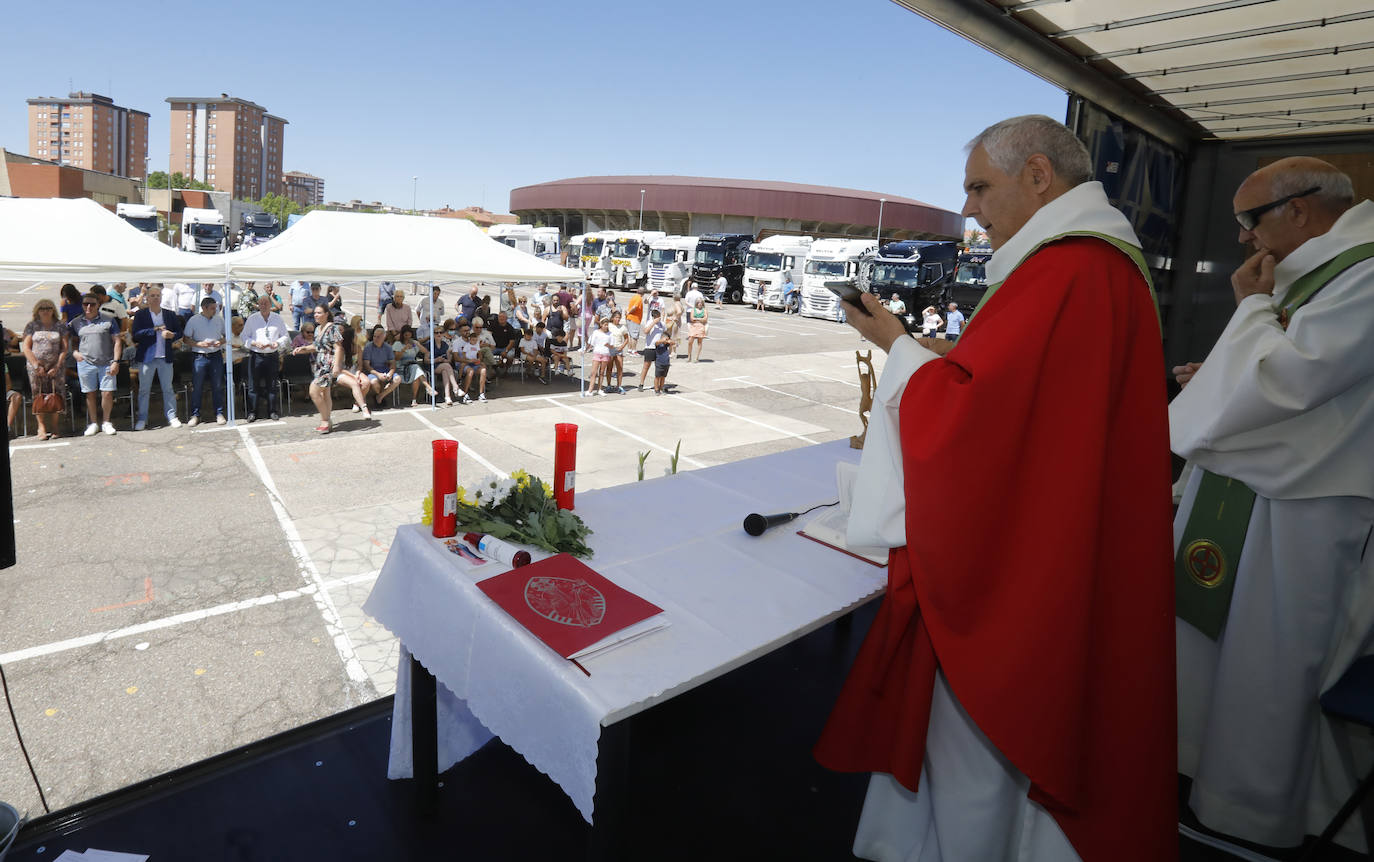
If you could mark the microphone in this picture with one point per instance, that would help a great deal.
(755, 524)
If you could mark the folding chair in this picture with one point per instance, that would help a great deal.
(1350, 699)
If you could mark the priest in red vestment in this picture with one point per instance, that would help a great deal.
(1015, 695)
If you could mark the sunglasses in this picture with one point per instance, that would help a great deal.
(90, 304)
(1249, 218)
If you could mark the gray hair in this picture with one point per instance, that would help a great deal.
(1337, 191)
(1012, 141)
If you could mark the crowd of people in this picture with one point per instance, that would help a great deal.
(421, 349)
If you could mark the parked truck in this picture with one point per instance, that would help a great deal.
(257, 228)
(542, 242)
(630, 258)
(572, 251)
(970, 278)
(721, 254)
(141, 216)
(920, 274)
(670, 261)
(202, 231)
(831, 261)
(596, 257)
(768, 261)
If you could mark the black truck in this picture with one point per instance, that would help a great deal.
(258, 228)
(919, 272)
(719, 253)
(970, 278)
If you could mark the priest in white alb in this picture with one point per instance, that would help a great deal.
(1274, 571)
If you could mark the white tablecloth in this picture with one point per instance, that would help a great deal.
(678, 542)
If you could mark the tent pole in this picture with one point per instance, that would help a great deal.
(364, 306)
(433, 399)
(228, 351)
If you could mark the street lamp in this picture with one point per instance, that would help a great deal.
(641, 209)
(414, 186)
(881, 201)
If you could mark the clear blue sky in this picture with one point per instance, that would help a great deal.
(477, 98)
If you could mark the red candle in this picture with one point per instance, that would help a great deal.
(564, 464)
(445, 488)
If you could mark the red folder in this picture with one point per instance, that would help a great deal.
(566, 604)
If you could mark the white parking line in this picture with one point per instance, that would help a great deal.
(691, 462)
(772, 428)
(324, 603)
(466, 450)
(747, 382)
(14, 449)
(238, 423)
(177, 619)
(823, 377)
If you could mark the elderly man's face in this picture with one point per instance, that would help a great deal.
(1001, 203)
(1277, 231)
(264, 304)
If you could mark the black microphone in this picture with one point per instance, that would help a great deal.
(755, 524)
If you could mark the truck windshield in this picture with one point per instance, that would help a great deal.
(710, 255)
(897, 274)
(626, 248)
(592, 247)
(147, 224)
(971, 273)
(261, 230)
(764, 261)
(209, 231)
(825, 267)
(662, 255)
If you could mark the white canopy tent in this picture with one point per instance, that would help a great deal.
(79, 240)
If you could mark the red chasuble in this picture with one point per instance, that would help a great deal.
(1038, 570)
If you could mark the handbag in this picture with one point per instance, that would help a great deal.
(47, 402)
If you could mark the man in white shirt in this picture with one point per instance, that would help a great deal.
(205, 334)
(532, 350)
(265, 335)
(652, 332)
(954, 322)
(721, 286)
(1274, 571)
(181, 299)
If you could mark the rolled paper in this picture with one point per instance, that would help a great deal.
(564, 464)
(445, 488)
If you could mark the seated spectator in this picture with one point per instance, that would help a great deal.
(396, 315)
(441, 345)
(469, 356)
(532, 352)
(505, 340)
(486, 343)
(379, 365)
(305, 336)
(412, 364)
(71, 303)
(523, 318)
(558, 348)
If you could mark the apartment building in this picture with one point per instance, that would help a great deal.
(305, 189)
(89, 131)
(230, 143)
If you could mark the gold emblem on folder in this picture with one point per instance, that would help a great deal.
(1206, 563)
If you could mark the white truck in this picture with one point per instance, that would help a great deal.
(670, 261)
(768, 261)
(573, 249)
(202, 231)
(141, 216)
(630, 258)
(596, 257)
(831, 261)
(541, 242)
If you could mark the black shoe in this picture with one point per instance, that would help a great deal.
(252, 418)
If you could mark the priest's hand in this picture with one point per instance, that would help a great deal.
(874, 322)
(1184, 373)
(1255, 276)
(938, 346)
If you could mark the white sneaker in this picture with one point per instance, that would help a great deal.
(174, 422)
(91, 430)
(195, 420)
(219, 419)
(107, 428)
(467, 400)
(482, 397)
(140, 425)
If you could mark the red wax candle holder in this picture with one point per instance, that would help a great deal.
(564, 464)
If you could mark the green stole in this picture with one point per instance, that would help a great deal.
(1214, 536)
(1135, 254)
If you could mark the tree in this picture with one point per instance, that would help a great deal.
(158, 180)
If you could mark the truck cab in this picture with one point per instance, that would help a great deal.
(258, 228)
(919, 272)
(202, 231)
(546, 243)
(572, 251)
(831, 261)
(670, 261)
(630, 258)
(141, 216)
(970, 278)
(596, 257)
(721, 254)
(768, 261)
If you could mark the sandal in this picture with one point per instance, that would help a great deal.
(323, 428)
